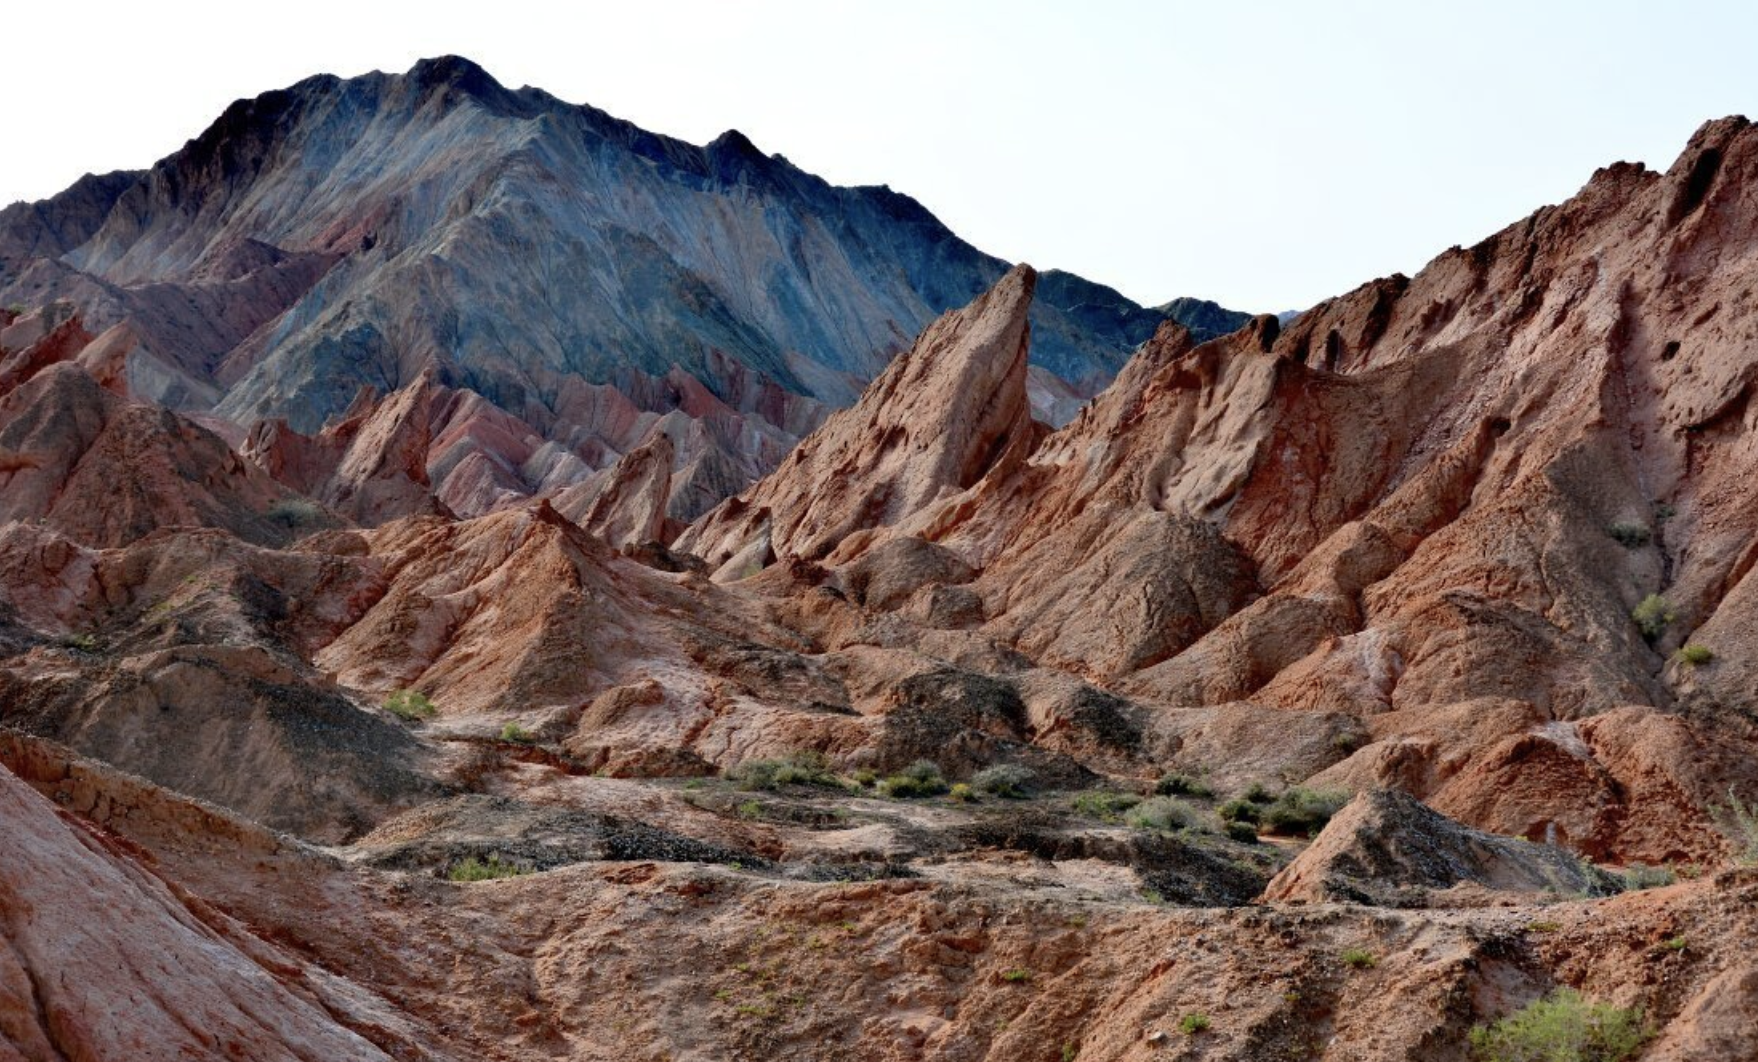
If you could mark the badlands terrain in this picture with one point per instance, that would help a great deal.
(482, 581)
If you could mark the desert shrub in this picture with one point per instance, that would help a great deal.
(865, 777)
(1257, 793)
(750, 811)
(1358, 959)
(1243, 832)
(1696, 655)
(1637, 877)
(1176, 784)
(1653, 616)
(1103, 803)
(1739, 820)
(1629, 536)
(963, 793)
(1194, 1022)
(410, 704)
(1017, 976)
(518, 734)
(85, 643)
(1301, 812)
(799, 768)
(1240, 810)
(294, 513)
(473, 869)
(1002, 780)
(1562, 1027)
(920, 779)
(1162, 813)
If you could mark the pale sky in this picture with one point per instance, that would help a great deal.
(1263, 154)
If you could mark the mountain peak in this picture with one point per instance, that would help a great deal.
(453, 70)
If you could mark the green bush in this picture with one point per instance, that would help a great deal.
(1562, 1027)
(920, 779)
(1696, 655)
(1243, 832)
(519, 735)
(1162, 813)
(1017, 976)
(963, 793)
(410, 704)
(1358, 959)
(473, 869)
(85, 643)
(1240, 810)
(1103, 803)
(1176, 784)
(1194, 1022)
(1003, 780)
(1637, 877)
(1653, 616)
(1630, 536)
(799, 768)
(1257, 793)
(1301, 812)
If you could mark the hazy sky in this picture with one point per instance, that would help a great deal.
(1262, 154)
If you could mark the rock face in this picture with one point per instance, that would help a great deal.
(942, 416)
(1387, 848)
(100, 957)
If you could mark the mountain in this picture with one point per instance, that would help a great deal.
(1395, 663)
(341, 234)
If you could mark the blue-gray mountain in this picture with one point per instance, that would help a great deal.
(342, 233)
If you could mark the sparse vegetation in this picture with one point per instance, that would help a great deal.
(1359, 959)
(1003, 780)
(1653, 616)
(517, 734)
(1630, 535)
(410, 704)
(750, 811)
(84, 642)
(1674, 944)
(799, 768)
(1103, 804)
(1194, 1022)
(920, 779)
(1543, 927)
(1016, 976)
(1562, 1027)
(963, 793)
(1301, 812)
(1162, 813)
(865, 777)
(472, 869)
(1696, 655)
(1637, 877)
(294, 513)
(1176, 784)
(1257, 793)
